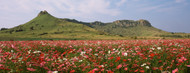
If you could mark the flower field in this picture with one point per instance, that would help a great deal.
(104, 56)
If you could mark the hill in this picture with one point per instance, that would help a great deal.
(128, 28)
(46, 26)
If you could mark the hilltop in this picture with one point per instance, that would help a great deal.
(46, 26)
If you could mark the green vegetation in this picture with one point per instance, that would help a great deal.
(45, 26)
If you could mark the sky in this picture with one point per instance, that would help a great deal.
(168, 15)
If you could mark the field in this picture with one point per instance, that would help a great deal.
(93, 56)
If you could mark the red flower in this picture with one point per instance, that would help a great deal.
(117, 59)
(110, 58)
(142, 71)
(72, 71)
(124, 60)
(110, 71)
(136, 70)
(152, 55)
(63, 53)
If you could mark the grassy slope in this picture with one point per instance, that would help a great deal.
(130, 31)
(47, 26)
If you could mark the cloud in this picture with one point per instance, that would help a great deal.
(179, 1)
(70, 7)
(121, 2)
(162, 7)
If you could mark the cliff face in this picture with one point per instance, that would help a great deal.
(131, 23)
(43, 13)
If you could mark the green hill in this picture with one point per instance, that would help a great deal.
(128, 28)
(46, 26)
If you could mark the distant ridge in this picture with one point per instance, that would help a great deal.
(47, 26)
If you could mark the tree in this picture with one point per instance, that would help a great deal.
(3, 29)
(32, 28)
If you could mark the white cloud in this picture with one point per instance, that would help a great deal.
(164, 7)
(71, 7)
(121, 2)
(21, 11)
(153, 8)
(179, 1)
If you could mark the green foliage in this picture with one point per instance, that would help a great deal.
(4, 29)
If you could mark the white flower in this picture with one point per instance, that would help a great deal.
(106, 64)
(2, 45)
(54, 71)
(147, 67)
(152, 48)
(84, 56)
(159, 48)
(143, 64)
(96, 54)
(125, 54)
(82, 53)
(64, 58)
(10, 58)
(36, 51)
(20, 59)
(118, 53)
(60, 60)
(12, 50)
(109, 52)
(80, 60)
(29, 51)
(102, 65)
(30, 65)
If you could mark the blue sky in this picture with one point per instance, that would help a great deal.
(168, 15)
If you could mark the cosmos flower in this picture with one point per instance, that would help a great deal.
(147, 67)
(159, 48)
(31, 69)
(119, 66)
(124, 54)
(175, 70)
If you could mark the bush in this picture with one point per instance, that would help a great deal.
(44, 33)
(3, 29)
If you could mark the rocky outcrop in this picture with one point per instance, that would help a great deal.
(43, 12)
(131, 23)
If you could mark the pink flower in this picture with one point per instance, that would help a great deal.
(175, 70)
(31, 69)
(125, 69)
(188, 65)
(95, 69)
(180, 60)
(1, 65)
(183, 58)
(119, 66)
